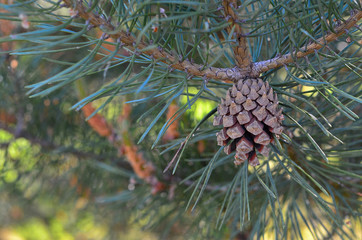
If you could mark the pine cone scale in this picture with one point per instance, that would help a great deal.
(236, 131)
(254, 127)
(244, 117)
(229, 120)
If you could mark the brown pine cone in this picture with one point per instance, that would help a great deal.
(249, 114)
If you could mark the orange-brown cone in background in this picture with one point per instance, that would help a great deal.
(250, 114)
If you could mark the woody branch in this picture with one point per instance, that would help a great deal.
(232, 74)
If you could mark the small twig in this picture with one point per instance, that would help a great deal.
(279, 61)
(241, 50)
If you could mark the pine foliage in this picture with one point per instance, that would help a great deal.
(141, 71)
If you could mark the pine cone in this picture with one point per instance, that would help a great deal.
(250, 115)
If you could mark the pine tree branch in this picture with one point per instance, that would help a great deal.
(241, 50)
(141, 167)
(127, 39)
(231, 74)
(276, 62)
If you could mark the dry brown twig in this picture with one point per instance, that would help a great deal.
(245, 67)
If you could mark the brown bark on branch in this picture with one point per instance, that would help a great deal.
(97, 122)
(276, 62)
(172, 130)
(240, 71)
(241, 50)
